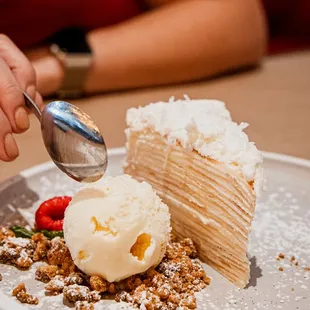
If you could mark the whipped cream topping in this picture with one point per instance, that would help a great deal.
(204, 126)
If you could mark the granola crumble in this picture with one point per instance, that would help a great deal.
(74, 278)
(84, 305)
(75, 292)
(5, 233)
(58, 283)
(20, 292)
(59, 254)
(98, 284)
(172, 284)
(17, 252)
(42, 245)
(55, 285)
(46, 273)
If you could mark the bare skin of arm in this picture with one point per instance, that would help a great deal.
(174, 42)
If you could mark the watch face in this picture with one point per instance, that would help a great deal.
(72, 40)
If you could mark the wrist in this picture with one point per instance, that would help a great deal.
(56, 74)
(93, 81)
(49, 71)
(88, 77)
(71, 49)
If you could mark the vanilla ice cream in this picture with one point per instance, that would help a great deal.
(116, 228)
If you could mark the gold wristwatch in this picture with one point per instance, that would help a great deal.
(72, 50)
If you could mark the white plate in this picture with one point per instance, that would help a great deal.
(282, 224)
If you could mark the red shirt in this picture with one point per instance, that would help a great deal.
(28, 22)
(289, 24)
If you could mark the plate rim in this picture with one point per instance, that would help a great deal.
(27, 173)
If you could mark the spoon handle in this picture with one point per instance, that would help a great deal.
(30, 104)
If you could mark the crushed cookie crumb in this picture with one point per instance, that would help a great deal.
(281, 268)
(113, 289)
(296, 264)
(20, 292)
(95, 296)
(17, 252)
(55, 285)
(46, 273)
(98, 284)
(172, 284)
(307, 268)
(292, 258)
(75, 292)
(59, 254)
(281, 255)
(84, 305)
(74, 278)
(5, 233)
(42, 245)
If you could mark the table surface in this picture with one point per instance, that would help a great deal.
(273, 99)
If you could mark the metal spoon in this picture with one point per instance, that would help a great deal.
(72, 140)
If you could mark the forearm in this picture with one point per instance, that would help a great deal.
(180, 41)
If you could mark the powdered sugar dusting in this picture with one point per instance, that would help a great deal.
(19, 241)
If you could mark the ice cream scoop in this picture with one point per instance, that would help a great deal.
(116, 228)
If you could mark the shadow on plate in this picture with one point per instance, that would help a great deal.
(255, 272)
(14, 195)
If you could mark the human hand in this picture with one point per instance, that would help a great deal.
(16, 74)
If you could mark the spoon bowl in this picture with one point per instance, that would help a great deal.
(72, 140)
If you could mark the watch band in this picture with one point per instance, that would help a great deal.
(75, 66)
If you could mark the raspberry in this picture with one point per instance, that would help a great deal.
(51, 213)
